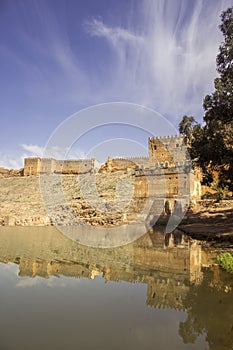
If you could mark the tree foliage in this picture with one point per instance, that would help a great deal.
(187, 125)
(211, 146)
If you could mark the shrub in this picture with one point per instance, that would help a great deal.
(225, 260)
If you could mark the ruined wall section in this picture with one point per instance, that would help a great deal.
(36, 166)
(48, 166)
(81, 166)
(32, 166)
(124, 164)
(11, 172)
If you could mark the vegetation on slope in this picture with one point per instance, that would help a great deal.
(225, 260)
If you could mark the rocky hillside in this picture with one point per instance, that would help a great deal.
(107, 203)
(10, 172)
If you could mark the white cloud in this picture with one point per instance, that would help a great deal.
(52, 281)
(162, 57)
(34, 150)
(96, 27)
(57, 152)
(15, 160)
(168, 61)
(11, 160)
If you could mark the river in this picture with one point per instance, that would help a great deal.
(155, 293)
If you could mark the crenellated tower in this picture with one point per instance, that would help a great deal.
(168, 149)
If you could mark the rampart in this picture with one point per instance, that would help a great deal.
(166, 171)
(36, 166)
(163, 152)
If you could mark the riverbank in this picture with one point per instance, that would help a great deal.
(210, 222)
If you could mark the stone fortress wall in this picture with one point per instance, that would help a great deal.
(168, 150)
(36, 166)
(165, 152)
(174, 164)
(166, 171)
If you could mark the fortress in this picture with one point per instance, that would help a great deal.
(166, 166)
(164, 152)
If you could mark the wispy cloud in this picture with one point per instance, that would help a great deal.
(15, 160)
(159, 53)
(52, 281)
(11, 160)
(170, 64)
(117, 35)
(57, 152)
(34, 150)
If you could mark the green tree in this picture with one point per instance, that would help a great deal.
(193, 133)
(187, 125)
(218, 129)
(211, 146)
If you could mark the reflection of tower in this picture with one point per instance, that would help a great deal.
(169, 289)
(195, 263)
(174, 264)
(33, 268)
(94, 272)
(167, 292)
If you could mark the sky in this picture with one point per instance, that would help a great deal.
(58, 57)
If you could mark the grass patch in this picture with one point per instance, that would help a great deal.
(225, 260)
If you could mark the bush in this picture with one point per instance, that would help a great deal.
(225, 260)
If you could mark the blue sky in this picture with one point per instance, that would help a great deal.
(59, 56)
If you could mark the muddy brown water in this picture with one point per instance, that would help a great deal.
(156, 293)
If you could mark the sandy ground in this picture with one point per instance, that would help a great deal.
(211, 223)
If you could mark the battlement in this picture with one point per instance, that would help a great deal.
(130, 158)
(168, 138)
(33, 158)
(178, 166)
(169, 149)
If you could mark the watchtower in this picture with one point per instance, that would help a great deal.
(167, 149)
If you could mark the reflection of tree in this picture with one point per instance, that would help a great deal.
(210, 311)
(188, 331)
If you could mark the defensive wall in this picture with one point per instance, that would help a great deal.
(163, 152)
(37, 165)
(166, 171)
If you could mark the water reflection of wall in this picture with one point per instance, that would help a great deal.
(167, 271)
